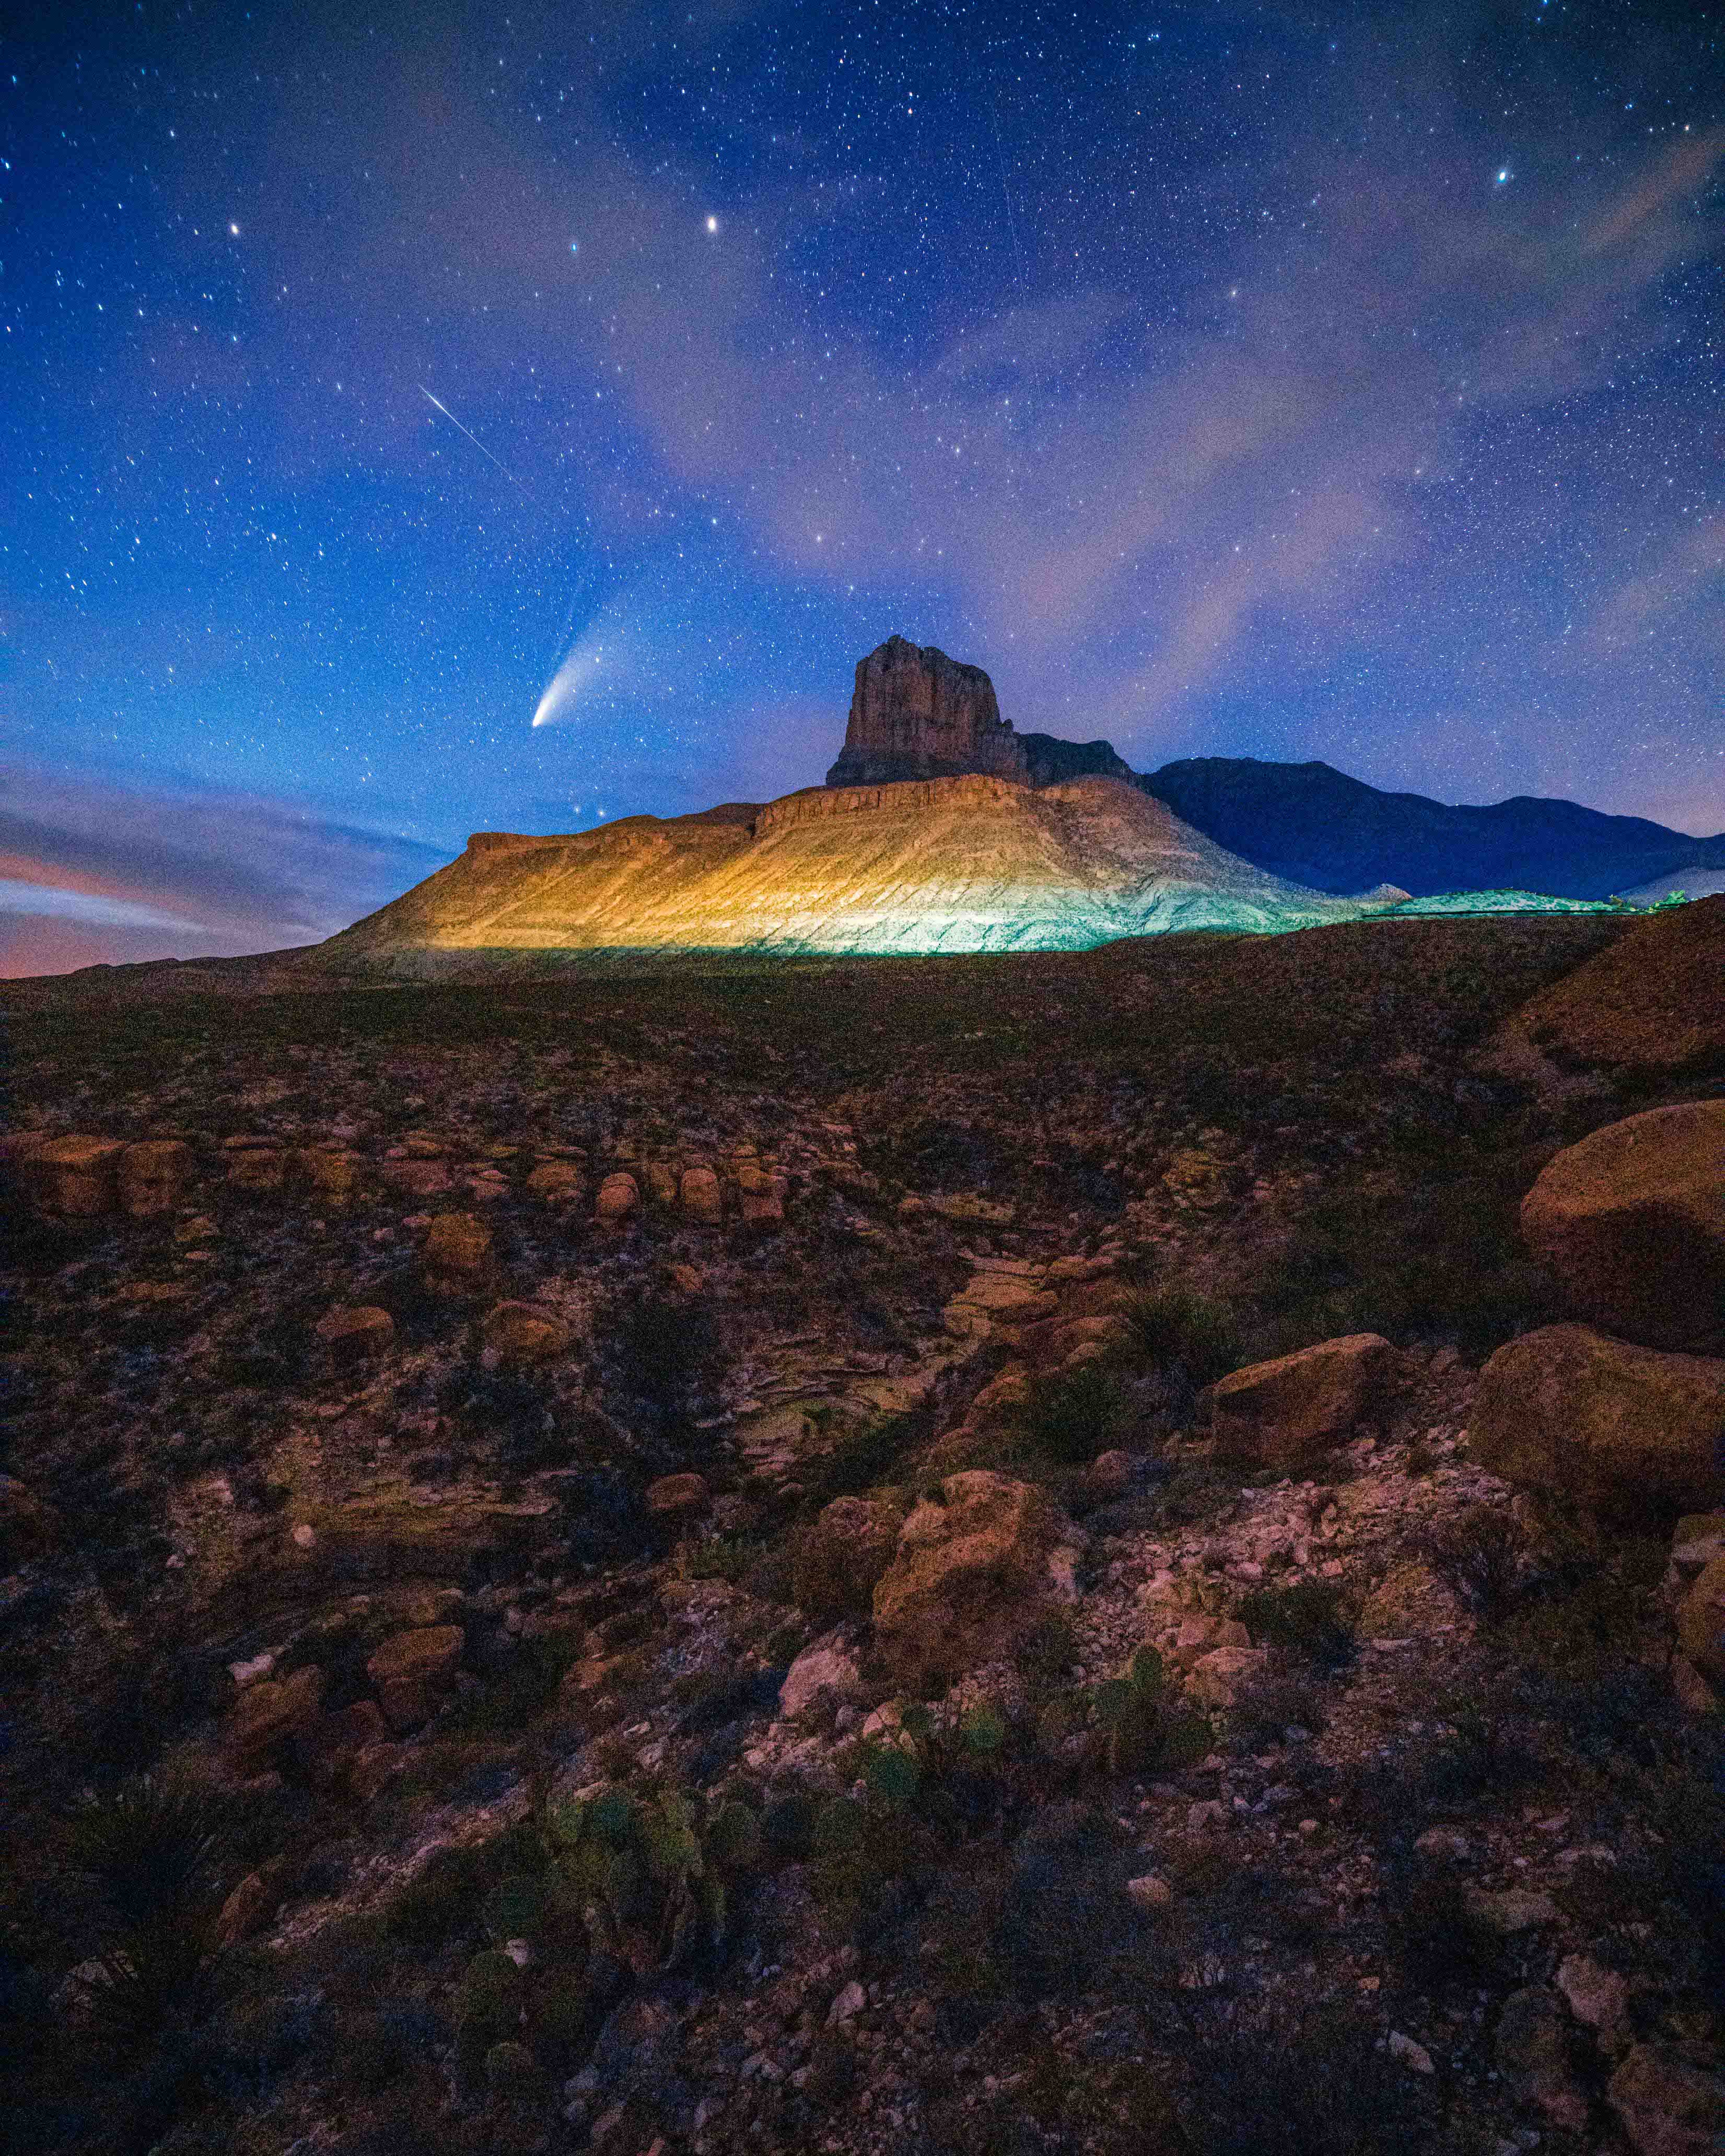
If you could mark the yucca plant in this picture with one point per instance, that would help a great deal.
(151, 1844)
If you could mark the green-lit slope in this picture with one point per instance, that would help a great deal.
(968, 863)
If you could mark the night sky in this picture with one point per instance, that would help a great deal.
(1226, 379)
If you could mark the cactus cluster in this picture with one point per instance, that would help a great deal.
(650, 1872)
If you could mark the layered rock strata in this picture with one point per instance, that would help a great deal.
(918, 714)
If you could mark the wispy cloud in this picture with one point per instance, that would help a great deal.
(91, 872)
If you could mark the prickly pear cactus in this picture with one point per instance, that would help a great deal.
(650, 1871)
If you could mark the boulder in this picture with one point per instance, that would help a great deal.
(1701, 1623)
(412, 1177)
(330, 1172)
(760, 1196)
(619, 1200)
(354, 1333)
(842, 1556)
(1668, 2105)
(1632, 1222)
(677, 1497)
(702, 1199)
(917, 714)
(558, 1182)
(1632, 1434)
(1214, 1679)
(1597, 1996)
(1109, 1476)
(525, 1333)
(257, 1168)
(824, 1667)
(1532, 2050)
(75, 1177)
(456, 1259)
(409, 1670)
(1648, 1004)
(973, 1572)
(1290, 1409)
(267, 1717)
(152, 1176)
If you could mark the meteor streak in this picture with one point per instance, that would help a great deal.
(470, 435)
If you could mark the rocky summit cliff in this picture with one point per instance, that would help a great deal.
(917, 714)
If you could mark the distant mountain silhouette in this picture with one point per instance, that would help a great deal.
(1314, 825)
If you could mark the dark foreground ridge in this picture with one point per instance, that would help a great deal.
(1098, 1553)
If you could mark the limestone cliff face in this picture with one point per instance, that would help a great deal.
(918, 714)
(974, 863)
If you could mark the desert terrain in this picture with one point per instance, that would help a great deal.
(992, 1553)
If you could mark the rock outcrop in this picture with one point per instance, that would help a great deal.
(1631, 1434)
(918, 714)
(1285, 1412)
(974, 1571)
(1632, 1222)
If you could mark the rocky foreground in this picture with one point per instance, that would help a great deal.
(1103, 1553)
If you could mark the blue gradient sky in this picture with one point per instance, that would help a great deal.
(1226, 379)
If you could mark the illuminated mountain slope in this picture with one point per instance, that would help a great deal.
(965, 864)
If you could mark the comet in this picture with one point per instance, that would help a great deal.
(470, 435)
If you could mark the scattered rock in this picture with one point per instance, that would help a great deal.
(1630, 1433)
(1632, 1221)
(331, 1174)
(243, 1912)
(1509, 1910)
(1214, 1679)
(1598, 1997)
(702, 1199)
(1150, 1891)
(760, 1196)
(557, 1182)
(1413, 2056)
(268, 1716)
(1286, 1411)
(258, 1169)
(75, 1177)
(1109, 1476)
(416, 1179)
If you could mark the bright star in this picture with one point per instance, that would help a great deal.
(712, 225)
(234, 230)
(1503, 175)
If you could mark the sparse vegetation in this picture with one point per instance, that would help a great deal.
(1115, 1890)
